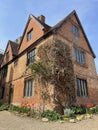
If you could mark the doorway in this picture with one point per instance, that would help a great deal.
(11, 90)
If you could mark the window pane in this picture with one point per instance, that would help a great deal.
(75, 30)
(29, 35)
(31, 56)
(30, 85)
(79, 56)
(28, 88)
(82, 90)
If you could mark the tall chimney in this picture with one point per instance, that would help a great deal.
(42, 18)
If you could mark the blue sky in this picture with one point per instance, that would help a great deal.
(14, 15)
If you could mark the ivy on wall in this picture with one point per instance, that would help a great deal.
(55, 67)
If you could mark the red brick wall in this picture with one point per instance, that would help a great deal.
(65, 34)
(88, 71)
(8, 49)
(37, 33)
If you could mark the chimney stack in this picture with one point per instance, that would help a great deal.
(42, 18)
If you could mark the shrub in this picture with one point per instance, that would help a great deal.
(91, 110)
(4, 107)
(51, 115)
(68, 113)
(23, 110)
(31, 113)
(96, 109)
(78, 109)
(14, 108)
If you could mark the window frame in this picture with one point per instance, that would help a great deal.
(31, 56)
(79, 56)
(75, 30)
(82, 89)
(29, 88)
(29, 35)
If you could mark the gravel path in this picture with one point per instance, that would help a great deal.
(9, 121)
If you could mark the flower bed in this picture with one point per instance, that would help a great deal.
(72, 114)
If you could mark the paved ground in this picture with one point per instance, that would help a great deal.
(9, 121)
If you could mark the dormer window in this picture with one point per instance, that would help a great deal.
(7, 56)
(29, 35)
(75, 30)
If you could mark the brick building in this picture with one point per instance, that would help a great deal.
(17, 87)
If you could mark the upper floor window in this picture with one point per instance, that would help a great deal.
(7, 56)
(31, 56)
(28, 89)
(79, 56)
(29, 35)
(75, 30)
(82, 90)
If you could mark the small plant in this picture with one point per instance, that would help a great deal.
(78, 109)
(91, 110)
(4, 107)
(68, 113)
(31, 113)
(23, 110)
(51, 115)
(96, 109)
(14, 108)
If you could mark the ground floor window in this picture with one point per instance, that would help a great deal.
(82, 90)
(28, 89)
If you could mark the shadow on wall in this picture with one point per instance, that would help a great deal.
(11, 74)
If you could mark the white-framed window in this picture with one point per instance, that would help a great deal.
(75, 30)
(82, 90)
(31, 56)
(79, 56)
(29, 35)
(29, 88)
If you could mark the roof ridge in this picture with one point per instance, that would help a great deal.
(60, 23)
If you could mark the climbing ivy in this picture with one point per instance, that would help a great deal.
(55, 67)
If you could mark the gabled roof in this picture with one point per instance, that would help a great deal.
(58, 25)
(50, 30)
(43, 26)
(14, 47)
